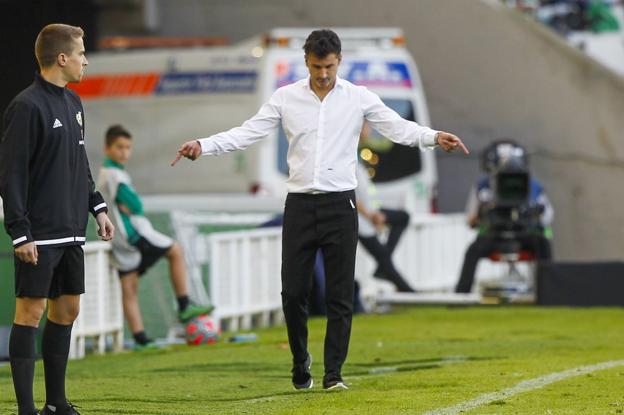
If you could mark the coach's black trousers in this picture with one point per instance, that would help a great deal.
(326, 221)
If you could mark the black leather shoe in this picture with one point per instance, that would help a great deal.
(334, 383)
(301, 377)
(68, 409)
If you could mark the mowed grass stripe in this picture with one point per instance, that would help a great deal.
(410, 361)
(525, 386)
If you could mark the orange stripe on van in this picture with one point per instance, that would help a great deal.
(117, 85)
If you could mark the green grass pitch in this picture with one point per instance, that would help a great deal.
(410, 361)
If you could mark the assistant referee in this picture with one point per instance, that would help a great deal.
(48, 191)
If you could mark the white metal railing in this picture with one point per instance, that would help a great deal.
(244, 266)
(101, 311)
(431, 253)
(195, 244)
(245, 281)
(242, 299)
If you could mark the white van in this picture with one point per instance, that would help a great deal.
(169, 95)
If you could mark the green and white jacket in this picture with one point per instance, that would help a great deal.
(115, 185)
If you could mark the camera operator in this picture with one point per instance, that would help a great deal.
(509, 208)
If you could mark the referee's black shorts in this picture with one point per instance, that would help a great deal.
(59, 271)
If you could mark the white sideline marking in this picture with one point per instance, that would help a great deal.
(525, 386)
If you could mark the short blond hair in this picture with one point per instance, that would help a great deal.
(55, 39)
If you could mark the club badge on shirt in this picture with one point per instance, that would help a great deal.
(79, 118)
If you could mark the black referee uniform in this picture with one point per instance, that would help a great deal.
(47, 188)
(47, 192)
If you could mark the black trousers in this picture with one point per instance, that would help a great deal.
(327, 222)
(483, 246)
(385, 266)
(397, 221)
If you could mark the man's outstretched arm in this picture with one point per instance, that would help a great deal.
(238, 138)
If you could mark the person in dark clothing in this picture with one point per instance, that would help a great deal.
(322, 116)
(47, 192)
(374, 218)
(536, 241)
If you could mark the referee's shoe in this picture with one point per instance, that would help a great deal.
(68, 409)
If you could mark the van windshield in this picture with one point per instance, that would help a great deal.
(385, 160)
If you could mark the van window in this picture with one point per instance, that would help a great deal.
(385, 160)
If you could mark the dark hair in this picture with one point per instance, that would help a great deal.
(322, 43)
(114, 132)
(53, 40)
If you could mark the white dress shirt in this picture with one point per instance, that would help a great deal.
(323, 135)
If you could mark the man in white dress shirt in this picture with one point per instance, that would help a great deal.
(322, 116)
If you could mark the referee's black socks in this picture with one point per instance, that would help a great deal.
(55, 350)
(22, 358)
